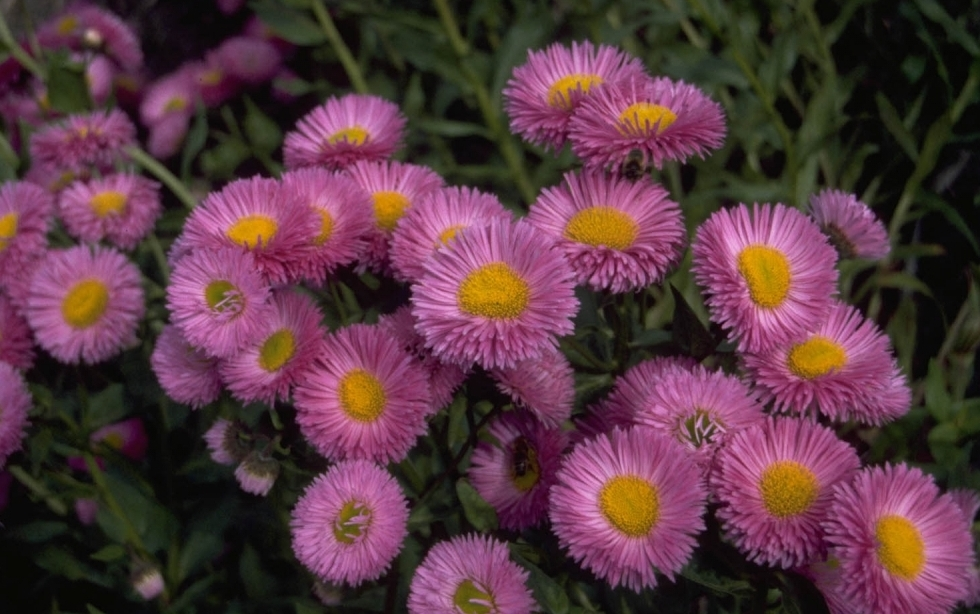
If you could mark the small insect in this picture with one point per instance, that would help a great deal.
(634, 166)
(521, 457)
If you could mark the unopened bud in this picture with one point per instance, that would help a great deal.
(257, 473)
(146, 579)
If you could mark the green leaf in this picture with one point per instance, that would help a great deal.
(690, 334)
(478, 512)
(258, 584)
(67, 87)
(106, 406)
(262, 132)
(450, 128)
(903, 281)
(112, 552)
(937, 397)
(92, 609)
(37, 532)
(197, 136)
(893, 123)
(956, 31)
(932, 202)
(549, 594)
(289, 24)
(220, 161)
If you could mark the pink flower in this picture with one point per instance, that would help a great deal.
(15, 402)
(186, 374)
(120, 207)
(94, 139)
(16, 340)
(544, 385)
(850, 225)
(26, 212)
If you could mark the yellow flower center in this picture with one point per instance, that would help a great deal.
(389, 207)
(326, 227)
(766, 272)
(252, 230)
(606, 226)
(449, 234)
(495, 291)
(8, 229)
(114, 440)
(85, 303)
(355, 135)
(109, 202)
(631, 504)
(900, 547)
(67, 25)
(277, 350)
(351, 523)
(175, 104)
(644, 119)
(471, 599)
(362, 396)
(815, 357)
(560, 92)
(223, 297)
(212, 76)
(788, 488)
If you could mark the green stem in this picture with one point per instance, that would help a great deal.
(584, 352)
(340, 47)
(161, 172)
(18, 53)
(132, 535)
(55, 504)
(161, 258)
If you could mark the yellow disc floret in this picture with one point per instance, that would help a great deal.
(389, 207)
(494, 291)
(352, 521)
(355, 135)
(560, 92)
(326, 227)
(85, 303)
(8, 228)
(223, 297)
(253, 230)
(645, 119)
(788, 488)
(815, 357)
(471, 599)
(277, 349)
(108, 203)
(605, 226)
(631, 504)
(900, 547)
(362, 396)
(766, 273)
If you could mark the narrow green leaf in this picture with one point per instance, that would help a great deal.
(955, 30)
(263, 133)
(937, 396)
(690, 334)
(106, 406)
(37, 532)
(953, 216)
(478, 512)
(289, 24)
(904, 281)
(549, 594)
(112, 552)
(197, 136)
(893, 123)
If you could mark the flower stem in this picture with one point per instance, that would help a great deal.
(18, 53)
(340, 47)
(161, 172)
(55, 504)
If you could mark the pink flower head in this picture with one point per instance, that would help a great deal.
(100, 74)
(843, 368)
(16, 341)
(119, 207)
(186, 374)
(515, 472)
(225, 445)
(768, 272)
(364, 397)
(345, 130)
(26, 212)
(903, 547)
(850, 224)
(259, 216)
(127, 437)
(94, 139)
(618, 235)
(266, 368)
(631, 392)
(661, 118)
(543, 93)
(544, 385)
(147, 581)
(470, 573)
(214, 84)
(433, 222)
(167, 135)
(350, 522)
(218, 300)
(171, 96)
(15, 402)
(85, 304)
(248, 59)
(88, 27)
(775, 483)
(628, 505)
(500, 293)
(257, 473)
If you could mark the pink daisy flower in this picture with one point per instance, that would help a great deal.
(843, 368)
(903, 546)
(628, 505)
(26, 211)
(85, 304)
(171, 96)
(86, 26)
(661, 118)
(345, 130)
(257, 473)
(266, 369)
(515, 472)
(470, 573)
(544, 385)
(214, 84)
(618, 235)
(344, 211)
(167, 136)
(433, 222)
(94, 139)
(248, 59)
(16, 341)
(499, 294)
(15, 402)
(775, 483)
(224, 442)
(259, 216)
(350, 522)
(631, 391)
(218, 300)
(850, 225)
(768, 273)
(126, 438)
(186, 374)
(364, 397)
(119, 207)
(542, 93)
(394, 188)
(826, 576)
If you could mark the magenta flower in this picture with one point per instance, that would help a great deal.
(26, 212)
(16, 340)
(15, 402)
(544, 385)
(94, 139)
(850, 225)
(186, 373)
(119, 207)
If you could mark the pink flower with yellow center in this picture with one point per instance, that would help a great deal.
(119, 207)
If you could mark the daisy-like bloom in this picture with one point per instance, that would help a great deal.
(214, 84)
(86, 510)
(93, 139)
(470, 573)
(257, 215)
(631, 391)
(84, 26)
(545, 385)
(394, 188)
(629, 504)
(618, 235)
(226, 442)
(515, 472)
(344, 211)
(120, 207)
(26, 211)
(501, 293)
(699, 408)
(218, 300)
(903, 546)
(85, 304)
(127, 438)
(850, 225)
(826, 576)
(350, 522)
(364, 397)
(172, 95)
(248, 59)
(768, 272)
(969, 503)
(843, 368)
(775, 482)
(187, 374)
(167, 136)
(345, 130)
(16, 341)
(433, 222)
(15, 401)
(543, 93)
(661, 118)
(267, 368)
